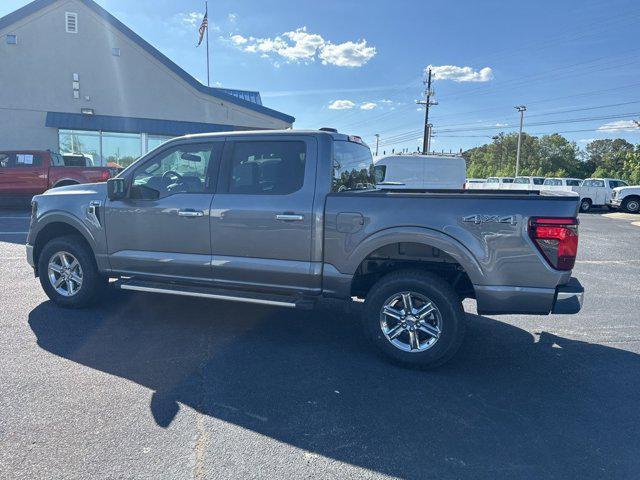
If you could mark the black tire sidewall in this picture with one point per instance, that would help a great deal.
(625, 205)
(92, 281)
(440, 293)
(583, 202)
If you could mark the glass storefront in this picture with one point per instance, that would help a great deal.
(81, 142)
(102, 148)
(154, 141)
(121, 148)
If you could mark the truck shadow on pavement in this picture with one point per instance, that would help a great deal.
(510, 404)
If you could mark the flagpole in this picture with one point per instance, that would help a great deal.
(206, 9)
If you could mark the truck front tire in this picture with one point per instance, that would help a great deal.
(631, 205)
(415, 318)
(68, 272)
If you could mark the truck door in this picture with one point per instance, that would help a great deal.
(162, 228)
(262, 215)
(24, 173)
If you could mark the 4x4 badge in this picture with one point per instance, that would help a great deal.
(478, 219)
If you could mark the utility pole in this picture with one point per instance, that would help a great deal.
(377, 142)
(430, 136)
(427, 103)
(521, 109)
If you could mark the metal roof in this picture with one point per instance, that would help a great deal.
(246, 99)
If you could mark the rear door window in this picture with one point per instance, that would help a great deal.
(573, 183)
(538, 181)
(28, 160)
(267, 167)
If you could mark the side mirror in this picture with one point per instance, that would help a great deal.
(116, 188)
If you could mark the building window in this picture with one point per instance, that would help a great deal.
(81, 142)
(121, 148)
(154, 141)
(12, 39)
(71, 22)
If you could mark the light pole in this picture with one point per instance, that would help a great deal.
(521, 109)
(377, 142)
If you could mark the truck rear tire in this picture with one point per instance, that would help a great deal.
(585, 205)
(415, 318)
(69, 274)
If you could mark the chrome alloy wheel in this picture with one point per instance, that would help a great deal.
(65, 274)
(411, 322)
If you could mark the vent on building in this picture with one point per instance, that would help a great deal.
(71, 22)
(115, 52)
(12, 39)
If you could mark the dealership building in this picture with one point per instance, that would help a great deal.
(75, 79)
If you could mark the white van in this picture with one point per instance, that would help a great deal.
(561, 184)
(421, 172)
(526, 183)
(495, 183)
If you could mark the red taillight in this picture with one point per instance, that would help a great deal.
(557, 240)
(105, 175)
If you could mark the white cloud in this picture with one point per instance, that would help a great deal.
(368, 106)
(347, 54)
(586, 140)
(460, 74)
(501, 124)
(341, 105)
(620, 126)
(233, 17)
(299, 45)
(239, 39)
(191, 19)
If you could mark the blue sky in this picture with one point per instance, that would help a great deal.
(359, 65)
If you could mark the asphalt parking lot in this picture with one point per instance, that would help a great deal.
(163, 387)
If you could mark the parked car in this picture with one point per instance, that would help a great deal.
(420, 171)
(26, 173)
(626, 198)
(285, 218)
(475, 182)
(526, 183)
(596, 192)
(493, 183)
(559, 183)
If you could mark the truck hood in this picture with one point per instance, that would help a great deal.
(629, 189)
(97, 190)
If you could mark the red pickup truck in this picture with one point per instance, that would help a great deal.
(29, 172)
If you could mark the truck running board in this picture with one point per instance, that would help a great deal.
(215, 293)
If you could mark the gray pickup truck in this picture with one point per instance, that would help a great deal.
(284, 218)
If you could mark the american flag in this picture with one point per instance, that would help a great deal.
(203, 28)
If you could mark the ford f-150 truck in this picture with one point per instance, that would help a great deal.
(26, 173)
(284, 218)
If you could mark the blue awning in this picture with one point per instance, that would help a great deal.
(106, 123)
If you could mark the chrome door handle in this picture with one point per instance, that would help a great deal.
(190, 213)
(286, 217)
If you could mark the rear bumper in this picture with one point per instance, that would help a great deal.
(569, 298)
(498, 300)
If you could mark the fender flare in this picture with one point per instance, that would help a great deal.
(65, 218)
(421, 235)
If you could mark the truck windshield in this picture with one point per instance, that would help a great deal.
(352, 167)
